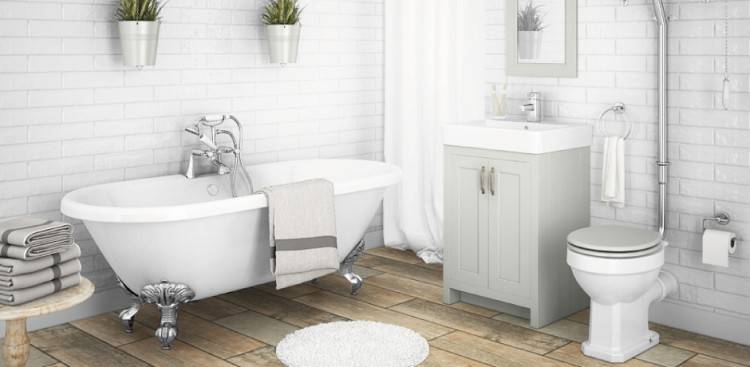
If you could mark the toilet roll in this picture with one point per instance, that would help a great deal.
(717, 245)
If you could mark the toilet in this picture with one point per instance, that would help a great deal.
(620, 269)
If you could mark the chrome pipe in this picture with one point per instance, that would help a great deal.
(662, 162)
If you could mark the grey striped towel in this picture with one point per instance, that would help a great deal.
(29, 238)
(19, 296)
(9, 283)
(302, 225)
(9, 267)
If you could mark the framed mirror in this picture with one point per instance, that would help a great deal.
(542, 38)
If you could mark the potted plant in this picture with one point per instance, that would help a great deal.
(530, 28)
(282, 29)
(139, 22)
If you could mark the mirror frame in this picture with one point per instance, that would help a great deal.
(567, 70)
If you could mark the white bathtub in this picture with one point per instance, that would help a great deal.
(193, 232)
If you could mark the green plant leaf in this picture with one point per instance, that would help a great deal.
(281, 12)
(140, 10)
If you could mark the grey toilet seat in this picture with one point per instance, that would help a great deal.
(614, 241)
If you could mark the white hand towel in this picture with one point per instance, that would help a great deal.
(613, 172)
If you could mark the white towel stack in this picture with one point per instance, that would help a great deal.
(38, 257)
(613, 172)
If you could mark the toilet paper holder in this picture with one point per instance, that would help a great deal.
(721, 218)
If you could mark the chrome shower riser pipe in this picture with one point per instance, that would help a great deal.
(662, 162)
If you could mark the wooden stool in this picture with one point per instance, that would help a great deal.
(16, 345)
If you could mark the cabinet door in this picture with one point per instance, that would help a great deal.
(465, 220)
(510, 229)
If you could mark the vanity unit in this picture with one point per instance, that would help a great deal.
(513, 192)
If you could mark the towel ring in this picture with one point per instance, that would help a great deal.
(618, 108)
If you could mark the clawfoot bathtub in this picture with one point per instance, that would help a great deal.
(171, 239)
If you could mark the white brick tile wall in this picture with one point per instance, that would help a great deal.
(709, 147)
(71, 115)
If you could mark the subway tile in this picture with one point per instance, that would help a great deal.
(62, 166)
(92, 79)
(30, 81)
(60, 97)
(92, 146)
(29, 152)
(29, 187)
(48, 28)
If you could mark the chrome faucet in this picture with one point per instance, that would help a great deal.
(213, 152)
(533, 107)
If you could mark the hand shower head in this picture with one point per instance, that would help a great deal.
(205, 140)
(194, 130)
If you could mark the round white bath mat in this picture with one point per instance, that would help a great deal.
(353, 344)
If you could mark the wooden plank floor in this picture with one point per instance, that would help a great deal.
(241, 328)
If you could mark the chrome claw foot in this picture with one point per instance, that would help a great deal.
(348, 263)
(166, 333)
(168, 297)
(127, 316)
(356, 282)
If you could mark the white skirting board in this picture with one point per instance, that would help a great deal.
(700, 321)
(101, 302)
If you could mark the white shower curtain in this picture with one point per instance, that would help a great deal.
(433, 76)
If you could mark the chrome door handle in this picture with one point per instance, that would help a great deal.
(492, 181)
(481, 180)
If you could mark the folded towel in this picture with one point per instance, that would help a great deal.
(28, 237)
(302, 225)
(10, 266)
(9, 283)
(19, 296)
(613, 172)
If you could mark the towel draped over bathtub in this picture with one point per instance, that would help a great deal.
(302, 227)
(30, 238)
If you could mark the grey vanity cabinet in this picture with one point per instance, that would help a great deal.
(507, 216)
(468, 210)
(509, 230)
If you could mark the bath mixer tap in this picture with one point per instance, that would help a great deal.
(213, 152)
(533, 107)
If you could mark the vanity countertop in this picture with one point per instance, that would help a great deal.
(518, 136)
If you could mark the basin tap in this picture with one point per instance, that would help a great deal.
(533, 107)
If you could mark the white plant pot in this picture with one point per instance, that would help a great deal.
(283, 42)
(529, 44)
(139, 41)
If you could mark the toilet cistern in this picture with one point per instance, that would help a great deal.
(533, 107)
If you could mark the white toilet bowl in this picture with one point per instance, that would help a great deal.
(619, 268)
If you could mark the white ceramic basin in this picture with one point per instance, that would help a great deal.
(518, 136)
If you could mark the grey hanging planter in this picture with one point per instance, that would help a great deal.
(283, 42)
(139, 41)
